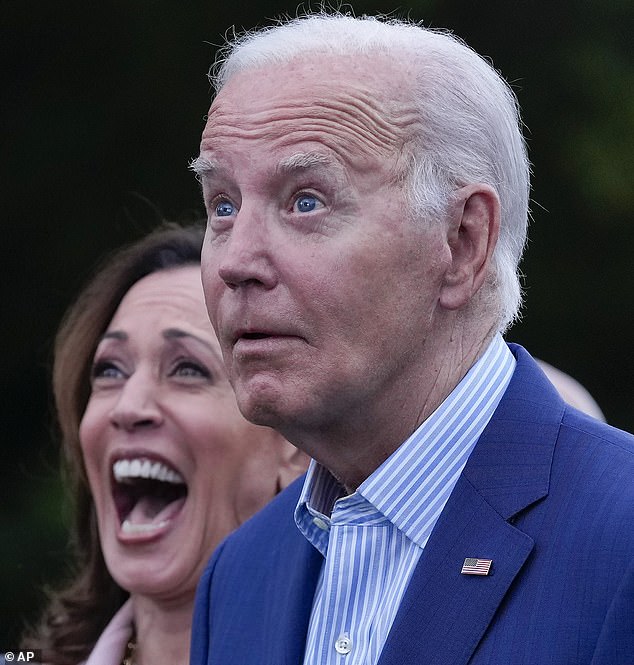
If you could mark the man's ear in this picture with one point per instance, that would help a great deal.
(293, 462)
(473, 228)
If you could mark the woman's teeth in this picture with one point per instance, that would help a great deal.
(129, 527)
(127, 469)
(147, 495)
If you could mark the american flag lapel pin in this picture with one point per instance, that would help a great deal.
(476, 566)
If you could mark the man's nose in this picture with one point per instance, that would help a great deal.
(137, 405)
(245, 256)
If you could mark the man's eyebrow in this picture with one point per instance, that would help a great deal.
(203, 166)
(303, 160)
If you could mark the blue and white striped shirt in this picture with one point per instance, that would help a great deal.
(373, 538)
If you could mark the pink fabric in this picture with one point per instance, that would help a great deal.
(110, 647)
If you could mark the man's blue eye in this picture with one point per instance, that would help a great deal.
(306, 203)
(224, 209)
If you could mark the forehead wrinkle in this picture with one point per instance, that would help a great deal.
(346, 146)
(385, 124)
(343, 137)
(358, 118)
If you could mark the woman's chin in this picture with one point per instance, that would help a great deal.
(151, 558)
(160, 577)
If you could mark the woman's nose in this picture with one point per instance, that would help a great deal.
(137, 405)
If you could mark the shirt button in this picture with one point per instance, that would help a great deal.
(318, 522)
(343, 645)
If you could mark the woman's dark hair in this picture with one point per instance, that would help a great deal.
(77, 613)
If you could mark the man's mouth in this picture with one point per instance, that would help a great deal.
(147, 494)
(251, 335)
(254, 335)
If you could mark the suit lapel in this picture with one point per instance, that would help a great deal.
(444, 614)
(447, 611)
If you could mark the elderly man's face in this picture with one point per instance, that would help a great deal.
(321, 290)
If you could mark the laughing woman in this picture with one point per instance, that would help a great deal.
(160, 463)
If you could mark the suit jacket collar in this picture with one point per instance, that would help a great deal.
(510, 466)
(508, 470)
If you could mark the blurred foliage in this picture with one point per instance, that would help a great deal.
(102, 108)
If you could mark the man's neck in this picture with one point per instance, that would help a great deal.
(354, 448)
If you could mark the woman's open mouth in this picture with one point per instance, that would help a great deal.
(147, 494)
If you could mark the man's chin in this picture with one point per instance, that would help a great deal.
(261, 407)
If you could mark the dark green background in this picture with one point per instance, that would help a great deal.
(102, 106)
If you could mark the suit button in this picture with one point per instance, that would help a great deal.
(343, 645)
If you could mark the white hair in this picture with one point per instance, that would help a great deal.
(470, 129)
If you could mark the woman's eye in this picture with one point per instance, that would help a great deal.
(224, 209)
(307, 203)
(106, 370)
(191, 369)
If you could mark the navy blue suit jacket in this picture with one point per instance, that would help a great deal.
(547, 494)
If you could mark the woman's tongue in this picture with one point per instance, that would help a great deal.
(151, 510)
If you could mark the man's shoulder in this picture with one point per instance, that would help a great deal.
(592, 488)
(575, 421)
(534, 402)
(585, 442)
(538, 445)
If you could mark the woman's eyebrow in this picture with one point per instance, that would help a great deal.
(114, 334)
(177, 333)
